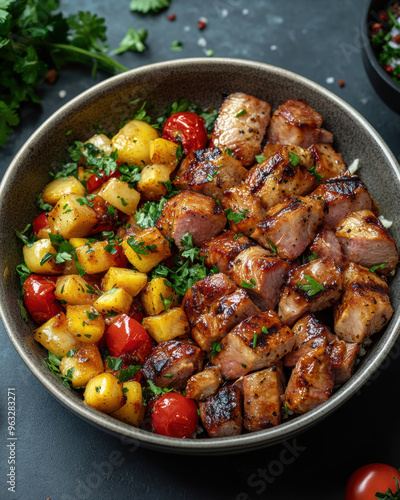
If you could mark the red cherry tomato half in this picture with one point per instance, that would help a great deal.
(365, 482)
(96, 181)
(188, 128)
(41, 222)
(126, 334)
(39, 297)
(175, 416)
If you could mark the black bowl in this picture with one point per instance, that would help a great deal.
(387, 89)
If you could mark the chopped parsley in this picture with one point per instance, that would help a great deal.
(229, 152)
(250, 285)
(241, 113)
(379, 266)
(294, 159)
(235, 217)
(176, 46)
(264, 330)
(215, 349)
(253, 344)
(190, 251)
(149, 214)
(312, 287)
(272, 245)
(260, 158)
(313, 171)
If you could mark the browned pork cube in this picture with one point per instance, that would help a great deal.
(295, 122)
(222, 249)
(310, 287)
(270, 149)
(327, 162)
(290, 226)
(311, 381)
(221, 413)
(364, 308)
(172, 363)
(366, 241)
(326, 244)
(193, 213)
(255, 343)
(210, 172)
(343, 356)
(261, 274)
(262, 398)
(204, 384)
(240, 126)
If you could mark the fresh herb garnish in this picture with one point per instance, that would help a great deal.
(176, 46)
(190, 251)
(241, 113)
(264, 330)
(294, 159)
(272, 246)
(313, 171)
(149, 214)
(52, 362)
(260, 158)
(133, 41)
(126, 374)
(215, 349)
(146, 6)
(235, 217)
(26, 236)
(312, 287)
(229, 152)
(250, 285)
(253, 344)
(379, 266)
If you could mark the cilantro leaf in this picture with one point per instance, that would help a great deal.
(146, 6)
(133, 40)
(215, 349)
(190, 251)
(313, 171)
(235, 217)
(294, 159)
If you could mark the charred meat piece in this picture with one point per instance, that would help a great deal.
(326, 244)
(262, 398)
(295, 122)
(255, 343)
(194, 213)
(221, 413)
(204, 384)
(210, 172)
(343, 195)
(240, 126)
(261, 274)
(172, 363)
(327, 162)
(311, 381)
(364, 308)
(310, 287)
(222, 249)
(223, 315)
(290, 226)
(343, 356)
(270, 149)
(367, 242)
(248, 208)
(284, 175)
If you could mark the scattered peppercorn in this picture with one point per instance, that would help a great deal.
(341, 83)
(171, 17)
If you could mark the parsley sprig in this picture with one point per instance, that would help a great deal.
(312, 287)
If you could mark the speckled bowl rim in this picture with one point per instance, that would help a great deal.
(244, 442)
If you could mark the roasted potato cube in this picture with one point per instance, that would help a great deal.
(104, 393)
(151, 181)
(155, 294)
(85, 323)
(167, 325)
(102, 142)
(55, 336)
(34, 254)
(146, 249)
(70, 219)
(120, 195)
(83, 174)
(44, 233)
(82, 365)
(116, 300)
(74, 290)
(78, 242)
(70, 267)
(163, 151)
(95, 258)
(130, 280)
(133, 410)
(61, 187)
(133, 142)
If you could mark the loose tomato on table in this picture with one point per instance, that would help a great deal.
(39, 297)
(174, 415)
(188, 128)
(127, 335)
(371, 479)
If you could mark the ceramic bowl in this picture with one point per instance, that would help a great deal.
(204, 81)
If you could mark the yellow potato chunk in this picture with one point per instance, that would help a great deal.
(116, 300)
(82, 365)
(44, 233)
(104, 393)
(55, 336)
(163, 151)
(167, 325)
(70, 219)
(78, 242)
(70, 267)
(151, 181)
(83, 174)
(133, 142)
(130, 280)
(61, 187)
(74, 290)
(34, 254)
(120, 195)
(95, 258)
(157, 295)
(85, 323)
(133, 410)
(146, 249)
(102, 142)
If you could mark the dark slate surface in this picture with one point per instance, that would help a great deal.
(64, 458)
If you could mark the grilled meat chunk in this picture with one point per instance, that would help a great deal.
(295, 122)
(284, 175)
(261, 274)
(222, 249)
(364, 308)
(221, 413)
(343, 195)
(326, 244)
(204, 384)
(343, 356)
(270, 149)
(366, 241)
(210, 172)
(311, 381)
(290, 226)
(194, 213)
(255, 343)
(310, 287)
(172, 363)
(327, 162)
(262, 398)
(240, 126)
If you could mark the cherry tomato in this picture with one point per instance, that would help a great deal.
(39, 297)
(41, 222)
(188, 128)
(175, 416)
(126, 334)
(96, 181)
(365, 482)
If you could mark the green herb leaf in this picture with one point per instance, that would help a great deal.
(264, 329)
(133, 40)
(312, 287)
(114, 363)
(146, 6)
(176, 46)
(235, 217)
(190, 251)
(127, 373)
(260, 158)
(379, 266)
(250, 285)
(241, 113)
(215, 349)
(272, 246)
(254, 341)
(294, 159)
(317, 176)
